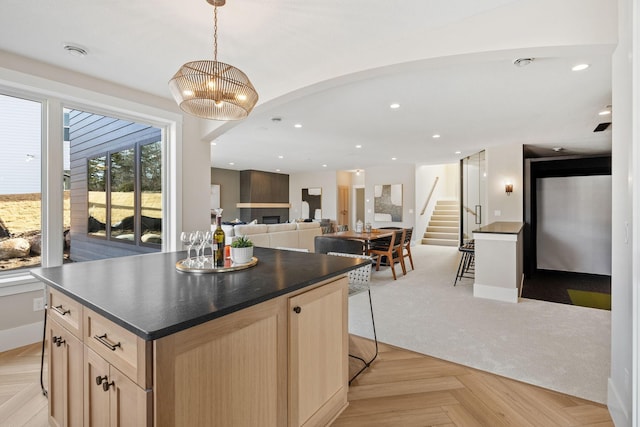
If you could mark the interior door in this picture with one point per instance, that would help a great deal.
(473, 184)
(343, 205)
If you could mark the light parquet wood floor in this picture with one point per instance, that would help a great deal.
(401, 388)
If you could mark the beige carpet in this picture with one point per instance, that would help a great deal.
(557, 346)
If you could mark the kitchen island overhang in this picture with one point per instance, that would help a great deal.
(147, 296)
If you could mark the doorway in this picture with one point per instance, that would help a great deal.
(473, 189)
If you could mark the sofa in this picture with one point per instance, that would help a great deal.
(298, 235)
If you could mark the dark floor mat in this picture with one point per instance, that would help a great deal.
(588, 290)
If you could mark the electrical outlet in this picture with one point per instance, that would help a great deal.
(38, 304)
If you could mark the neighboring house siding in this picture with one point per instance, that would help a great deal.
(94, 135)
(20, 142)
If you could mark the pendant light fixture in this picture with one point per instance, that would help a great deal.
(211, 89)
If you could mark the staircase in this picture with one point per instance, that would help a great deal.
(444, 224)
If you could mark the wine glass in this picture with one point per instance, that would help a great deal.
(198, 239)
(185, 238)
(208, 241)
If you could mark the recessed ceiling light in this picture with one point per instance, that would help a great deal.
(75, 50)
(394, 158)
(358, 146)
(281, 157)
(604, 113)
(458, 152)
(522, 62)
(580, 67)
(324, 166)
(394, 106)
(231, 163)
(297, 126)
(277, 170)
(436, 136)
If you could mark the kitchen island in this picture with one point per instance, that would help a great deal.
(498, 261)
(134, 341)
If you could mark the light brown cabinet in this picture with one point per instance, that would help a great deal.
(65, 356)
(279, 363)
(111, 398)
(318, 348)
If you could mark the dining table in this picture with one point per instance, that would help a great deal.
(366, 236)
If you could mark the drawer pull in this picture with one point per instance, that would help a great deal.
(103, 340)
(58, 341)
(105, 386)
(62, 311)
(100, 379)
(297, 309)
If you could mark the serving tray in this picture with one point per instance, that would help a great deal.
(228, 266)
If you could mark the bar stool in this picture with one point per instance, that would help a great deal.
(467, 261)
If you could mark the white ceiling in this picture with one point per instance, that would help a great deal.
(335, 66)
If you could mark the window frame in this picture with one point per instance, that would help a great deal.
(54, 98)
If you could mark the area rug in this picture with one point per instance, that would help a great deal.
(556, 346)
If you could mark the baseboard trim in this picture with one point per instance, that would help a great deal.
(20, 336)
(495, 293)
(619, 414)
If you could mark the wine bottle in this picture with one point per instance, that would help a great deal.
(218, 242)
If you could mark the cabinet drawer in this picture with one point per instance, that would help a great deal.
(121, 348)
(66, 311)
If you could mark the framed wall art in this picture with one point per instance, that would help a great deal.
(387, 203)
(312, 203)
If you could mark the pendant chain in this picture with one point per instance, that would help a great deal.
(215, 33)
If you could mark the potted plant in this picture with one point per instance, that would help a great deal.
(241, 250)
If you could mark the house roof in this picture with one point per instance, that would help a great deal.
(335, 67)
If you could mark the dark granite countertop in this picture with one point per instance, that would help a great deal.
(501, 227)
(146, 295)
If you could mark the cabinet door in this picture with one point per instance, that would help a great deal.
(65, 353)
(111, 398)
(129, 404)
(318, 359)
(96, 399)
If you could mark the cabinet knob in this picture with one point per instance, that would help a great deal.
(297, 309)
(58, 341)
(105, 386)
(100, 379)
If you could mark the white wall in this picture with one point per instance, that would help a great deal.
(328, 181)
(573, 224)
(625, 146)
(504, 163)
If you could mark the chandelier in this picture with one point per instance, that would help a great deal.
(212, 89)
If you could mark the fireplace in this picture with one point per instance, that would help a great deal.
(271, 219)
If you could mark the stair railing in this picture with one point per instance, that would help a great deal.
(426, 203)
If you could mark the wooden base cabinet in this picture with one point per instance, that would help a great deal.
(281, 363)
(111, 398)
(318, 361)
(65, 356)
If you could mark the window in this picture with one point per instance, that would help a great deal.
(20, 198)
(123, 182)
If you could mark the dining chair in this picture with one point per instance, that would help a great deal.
(342, 228)
(359, 281)
(393, 252)
(323, 245)
(406, 246)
